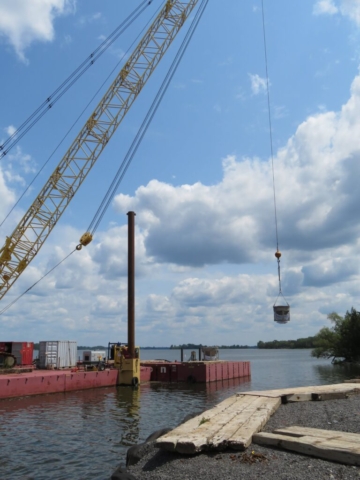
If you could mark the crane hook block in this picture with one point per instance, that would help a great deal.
(277, 254)
(84, 240)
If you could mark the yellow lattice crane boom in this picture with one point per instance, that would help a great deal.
(37, 223)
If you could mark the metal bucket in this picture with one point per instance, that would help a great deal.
(281, 313)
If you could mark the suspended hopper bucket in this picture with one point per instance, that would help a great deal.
(281, 313)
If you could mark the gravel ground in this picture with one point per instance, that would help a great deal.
(270, 464)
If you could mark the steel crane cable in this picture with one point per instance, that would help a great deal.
(78, 118)
(140, 135)
(146, 122)
(278, 253)
(50, 101)
(33, 285)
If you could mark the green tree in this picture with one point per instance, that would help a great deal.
(342, 341)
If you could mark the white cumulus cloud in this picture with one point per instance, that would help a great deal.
(23, 22)
(10, 130)
(232, 222)
(325, 6)
(349, 8)
(258, 84)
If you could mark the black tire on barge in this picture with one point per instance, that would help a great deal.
(7, 360)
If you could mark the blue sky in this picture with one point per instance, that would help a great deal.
(201, 181)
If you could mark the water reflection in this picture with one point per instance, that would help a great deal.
(336, 373)
(126, 414)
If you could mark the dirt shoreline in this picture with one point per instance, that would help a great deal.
(257, 461)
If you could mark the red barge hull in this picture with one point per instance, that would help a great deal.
(201, 372)
(40, 382)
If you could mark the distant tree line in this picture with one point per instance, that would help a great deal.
(299, 343)
(194, 345)
(97, 347)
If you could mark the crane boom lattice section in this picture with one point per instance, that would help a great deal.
(30, 234)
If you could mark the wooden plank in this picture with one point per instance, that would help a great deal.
(270, 393)
(234, 421)
(231, 426)
(335, 391)
(338, 387)
(243, 437)
(202, 437)
(329, 396)
(307, 397)
(333, 450)
(237, 433)
(299, 397)
(191, 436)
(320, 389)
(296, 431)
(194, 422)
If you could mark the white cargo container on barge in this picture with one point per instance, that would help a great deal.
(57, 354)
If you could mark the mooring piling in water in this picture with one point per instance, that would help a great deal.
(131, 284)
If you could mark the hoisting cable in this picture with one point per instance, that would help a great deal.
(33, 285)
(145, 124)
(277, 253)
(50, 101)
(135, 144)
(78, 118)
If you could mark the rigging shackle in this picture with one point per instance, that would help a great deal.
(278, 255)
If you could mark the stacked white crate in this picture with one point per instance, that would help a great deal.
(57, 354)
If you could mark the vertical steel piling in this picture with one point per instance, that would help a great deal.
(131, 283)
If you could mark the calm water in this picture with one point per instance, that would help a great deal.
(85, 435)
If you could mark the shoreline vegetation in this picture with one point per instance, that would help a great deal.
(308, 342)
(341, 342)
(275, 344)
(189, 346)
